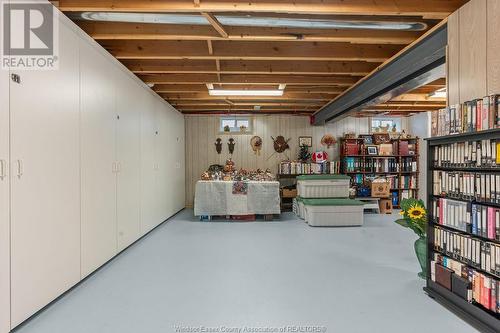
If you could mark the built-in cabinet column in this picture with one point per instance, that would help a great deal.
(493, 50)
(4, 204)
(45, 182)
(129, 106)
(472, 59)
(98, 155)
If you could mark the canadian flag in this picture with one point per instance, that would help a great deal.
(319, 157)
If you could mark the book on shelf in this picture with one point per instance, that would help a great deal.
(299, 168)
(479, 153)
(379, 164)
(475, 219)
(471, 116)
(478, 186)
(477, 253)
(466, 282)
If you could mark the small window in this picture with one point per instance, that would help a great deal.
(236, 125)
(386, 124)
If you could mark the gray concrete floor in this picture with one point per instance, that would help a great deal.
(256, 275)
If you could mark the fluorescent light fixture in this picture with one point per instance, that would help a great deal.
(440, 93)
(282, 86)
(237, 92)
(249, 21)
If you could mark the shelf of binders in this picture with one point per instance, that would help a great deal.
(464, 214)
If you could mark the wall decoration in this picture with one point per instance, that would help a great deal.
(372, 150)
(305, 141)
(218, 145)
(256, 144)
(231, 145)
(304, 154)
(328, 140)
(320, 157)
(280, 145)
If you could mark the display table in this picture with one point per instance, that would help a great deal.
(216, 198)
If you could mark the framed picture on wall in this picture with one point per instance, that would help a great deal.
(305, 141)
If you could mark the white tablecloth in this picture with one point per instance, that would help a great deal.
(217, 198)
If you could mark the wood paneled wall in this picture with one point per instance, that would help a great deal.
(474, 51)
(202, 131)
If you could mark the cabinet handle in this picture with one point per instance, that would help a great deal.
(118, 166)
(3, 171)
(20, 168)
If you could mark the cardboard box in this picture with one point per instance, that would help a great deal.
(381, 190)
(286, 193)
(385, 206)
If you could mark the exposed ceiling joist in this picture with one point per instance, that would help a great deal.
(231, 50)
(215, 24)
(249, 79)
(193, 88)
(199, 96)
(353, 68)
(425, 8)
(145, 31)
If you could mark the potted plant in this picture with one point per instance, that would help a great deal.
(414, 217)
(227, 129)
(243, 128)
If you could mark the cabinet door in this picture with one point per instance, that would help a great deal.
(165, 156)
(149, 166)
(4, 204)
(98, 122)
(45, 182)
(128, 102)
(179, 163)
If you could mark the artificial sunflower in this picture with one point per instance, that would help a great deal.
(416, 212)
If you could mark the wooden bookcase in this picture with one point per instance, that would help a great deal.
(365, 167)
(483, 319)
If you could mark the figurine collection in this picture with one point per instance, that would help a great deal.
(228, 172)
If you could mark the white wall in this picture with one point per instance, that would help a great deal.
(202, 131)
(102, 158)
(419, 125)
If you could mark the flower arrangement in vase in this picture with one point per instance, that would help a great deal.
(414, 216)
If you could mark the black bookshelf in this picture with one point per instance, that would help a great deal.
(482, 319)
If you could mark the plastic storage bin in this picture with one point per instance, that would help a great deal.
(301, 211)
(323, 186)
(333, 212)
